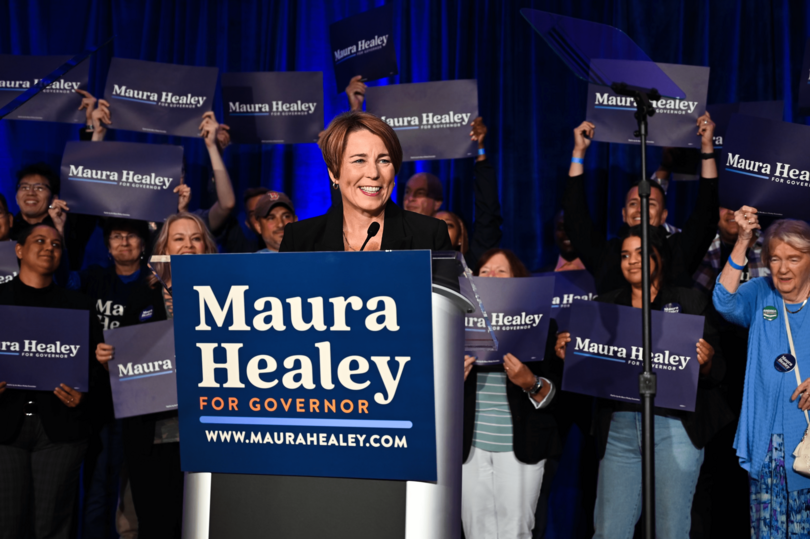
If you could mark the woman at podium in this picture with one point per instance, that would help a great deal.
(363, 156)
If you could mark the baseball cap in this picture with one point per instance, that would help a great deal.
(269, 201)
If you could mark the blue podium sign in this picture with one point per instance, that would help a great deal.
(306, 364)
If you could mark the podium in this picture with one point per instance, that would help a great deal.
(219, 505)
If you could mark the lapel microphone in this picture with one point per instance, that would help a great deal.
(373, 228)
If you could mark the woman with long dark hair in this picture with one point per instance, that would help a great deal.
(679, 436)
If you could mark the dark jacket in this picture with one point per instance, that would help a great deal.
(402, 231)
(61, 424)
(486, 233)
(110, 296)
(534, 431)
(711, 410)
(602, 257)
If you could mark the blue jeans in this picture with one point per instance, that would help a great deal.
(618, 493)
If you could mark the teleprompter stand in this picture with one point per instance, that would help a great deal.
(605, 56)
(646, 380)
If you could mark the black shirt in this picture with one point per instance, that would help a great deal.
(602, 257)
(486, 232)
(111, 293)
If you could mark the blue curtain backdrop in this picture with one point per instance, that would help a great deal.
(529, 100)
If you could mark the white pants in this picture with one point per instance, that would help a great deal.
(499, 495)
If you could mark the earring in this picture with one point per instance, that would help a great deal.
(335, 186)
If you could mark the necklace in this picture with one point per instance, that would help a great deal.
(349, 245)
(800, 308)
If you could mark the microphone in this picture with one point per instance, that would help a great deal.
(373, 228)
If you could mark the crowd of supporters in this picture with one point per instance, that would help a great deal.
(517, 418)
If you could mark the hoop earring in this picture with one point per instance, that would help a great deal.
(335, 186)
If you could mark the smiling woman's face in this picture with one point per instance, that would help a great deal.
(42, 251)
(790, 270)
(631, 260)
(366, 174)
(185, 238)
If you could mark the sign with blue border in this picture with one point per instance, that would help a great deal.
(306, 364)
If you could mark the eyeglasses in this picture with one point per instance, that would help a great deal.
(121, 237)
(38, 187)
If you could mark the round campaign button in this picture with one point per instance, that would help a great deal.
(784, 363)
(672, 308)
(146, 314)
(770, 313)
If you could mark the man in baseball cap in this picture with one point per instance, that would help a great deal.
(273, 211)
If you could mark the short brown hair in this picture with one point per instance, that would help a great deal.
(334, 140)
(518, 269)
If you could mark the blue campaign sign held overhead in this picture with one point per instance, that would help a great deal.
(674, 121)
(121, 179)
(308, 364)
(154, 97)
(56, 102)
(765, 165)
(363, 45)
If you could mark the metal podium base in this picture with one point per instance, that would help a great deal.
(220, 506)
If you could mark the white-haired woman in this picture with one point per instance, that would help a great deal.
(151, 451)
(772, 420)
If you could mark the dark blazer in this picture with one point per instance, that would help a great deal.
(711, 410)
(402, 231)
(534, 431)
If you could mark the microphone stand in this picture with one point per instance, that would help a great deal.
(647, 379)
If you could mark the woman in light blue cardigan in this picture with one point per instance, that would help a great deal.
(772, 420)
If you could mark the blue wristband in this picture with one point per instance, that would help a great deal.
(482, 151)
(737, 266)
(578, 160)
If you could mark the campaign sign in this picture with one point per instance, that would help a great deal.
(142, 374)
(58, 102)
(518, 310)
(674, 121)
(41, 348)
(569, 287)
(604, 357)
(721, 115)
(364, 45)
(9, 267)
(154, 97)
(296, 364)
(121, 179)
(804, 81)
(432, 119)
(273, 108)
(766, 165)
(478, 333)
